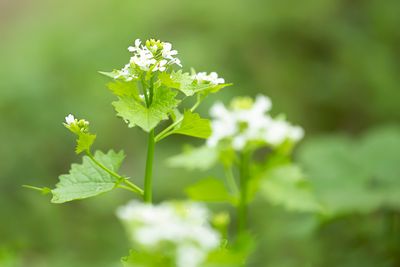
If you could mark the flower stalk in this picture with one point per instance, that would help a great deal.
(244, 179)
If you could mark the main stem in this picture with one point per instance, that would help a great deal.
(244, 177)
(148, 178)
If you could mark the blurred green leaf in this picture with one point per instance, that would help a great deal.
(210, 190)
(145, 259)
(88, 179)
(232, 256)
(195, 158)
(352, 175)
(286, 185)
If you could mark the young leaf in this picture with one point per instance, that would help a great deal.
(135, 112)
(85, 141)
(285, 185)
(193, 125)
(184, 82)
(88, 179)
(124, 89)
(210, 190)
(199, 158)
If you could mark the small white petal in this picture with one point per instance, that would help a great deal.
(70, 119)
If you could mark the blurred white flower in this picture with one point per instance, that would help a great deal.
(248, 121)
(181, 225)
(211, 78)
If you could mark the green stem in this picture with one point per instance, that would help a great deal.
(148, 179)
(121, 179)
(244, 177)
(230, 180)
(167, 131)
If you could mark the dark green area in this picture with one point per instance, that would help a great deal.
(331, 66)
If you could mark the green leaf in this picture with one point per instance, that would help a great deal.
(147, 259)
(286, 185)
(124, 89)
(200, 158)
(193, 125)
(135, 112)
(88, 179)
(184, 82)
(110, 74)
(84, 142)
(210, 190)
(355, 175)
(232, 256)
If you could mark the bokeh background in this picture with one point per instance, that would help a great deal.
(331, 65)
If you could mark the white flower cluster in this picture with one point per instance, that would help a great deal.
(247, 121)
(76, 125)
(212, 78)
(154, 55)
(182, 225)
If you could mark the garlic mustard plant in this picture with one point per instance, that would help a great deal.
(255, 146)
(149, 90)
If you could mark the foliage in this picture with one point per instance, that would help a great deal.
(88, 179)
(355, 175)
(307, 57)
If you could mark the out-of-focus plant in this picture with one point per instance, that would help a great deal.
(248, 141)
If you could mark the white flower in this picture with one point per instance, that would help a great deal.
(211, 78)
(190, 256)
(183, 226)
(69, 119)
(126, 73)
(155, 55)
(247, 121)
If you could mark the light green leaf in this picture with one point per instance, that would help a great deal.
(193, 125)
(88, 179)
(210, 190)
(135, 112)
(286, 185)
(184, 82)
(200, 158)
(124, 89)
(84, 142)
(148, 259)
(355, 175)
(110, 74)
(232, 256)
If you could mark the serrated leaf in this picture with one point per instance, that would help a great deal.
(84, 142)
(285, 185)
(88, 179)
(193, 125)
(210, 190)
(200, 158)
(135, 112)
(124, 89)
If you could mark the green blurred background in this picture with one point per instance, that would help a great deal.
(331, 65)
